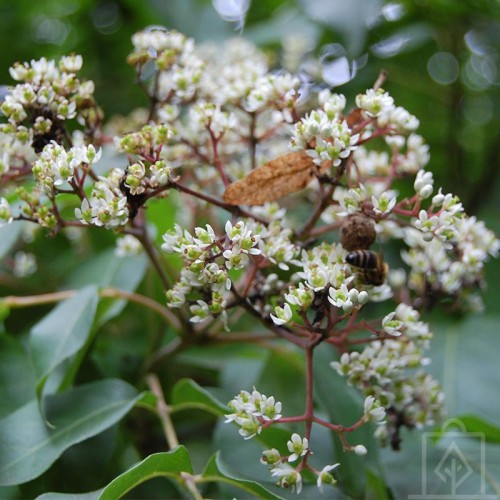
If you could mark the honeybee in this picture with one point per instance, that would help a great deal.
(370, 266)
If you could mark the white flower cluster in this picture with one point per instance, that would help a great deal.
(447, 253)
(251, 410)
(201, 253)
(388, 371)
(55, 166)
(323, 138)
(180, 68)
(14, 151)
(276, 245)
(380, 105)
(447, 249)
(149, 139)
(324, 267)
(209, 117)
(332, 104)
(49, 94)
(273, 91)
(107, 205)
(231, 70)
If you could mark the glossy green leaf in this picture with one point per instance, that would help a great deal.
(283, 371)
(29, 447)
(62, 333)
(217, 470)
(376, 487)
(464, 359)
(477, 425)
(17, 380)
(108, 270)
(169, 464)
(344, 406)
(188, 394)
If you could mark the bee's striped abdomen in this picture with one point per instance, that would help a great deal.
(365, 259)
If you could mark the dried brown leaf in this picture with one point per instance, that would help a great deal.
(275, 179)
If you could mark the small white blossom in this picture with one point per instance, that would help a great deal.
(287, 476)
(391, 325)
(270, 457)
(5, 212)
(199, 311)
(24, 264)
(385, 202)
(297, 446)
(333, 104)
(324, 477)
(375, 102)
(373, 410)
(127, 246)
(282, 315)
(423, 184)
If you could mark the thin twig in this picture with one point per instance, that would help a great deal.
(163, 411)
(15, 302)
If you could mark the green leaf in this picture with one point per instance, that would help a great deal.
(169, 464)
(282, 371)
(188, 394)
(9, 233)
(376, 487)
(108, 270)
(17, 380)
(29, 447)
(464, 359)
(475, 424)
(62, 333)
(217, 470)
(344, 406)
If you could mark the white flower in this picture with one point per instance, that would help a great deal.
(392, 326)
(249, 427)
(373, 410)
(270, 457)
(324, 476)
(235, 258)
(127, 246)
(287, 476)
(297, 446)
(375, 102)
(282, 315)
(71, 64)
(199, 311)
(5, 212)
(423, 184)
(24, 264)
(333, 104)
(385, 202)
(343, 297)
